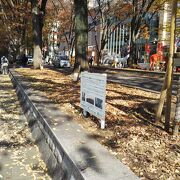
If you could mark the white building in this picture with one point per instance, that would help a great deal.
(118, 39)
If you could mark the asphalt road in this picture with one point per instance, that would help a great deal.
(144, 82)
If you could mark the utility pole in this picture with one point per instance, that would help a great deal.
(170, 65)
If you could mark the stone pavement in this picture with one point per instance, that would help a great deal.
(19, 156)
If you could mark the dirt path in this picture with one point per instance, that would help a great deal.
(19, 156)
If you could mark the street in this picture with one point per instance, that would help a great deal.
(147, 83)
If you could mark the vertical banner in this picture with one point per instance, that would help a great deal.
(147, 48)
(160, 50)
(160, 47)
(93, 94)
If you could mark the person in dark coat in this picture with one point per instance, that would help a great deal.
(91, 61)
(24, 60)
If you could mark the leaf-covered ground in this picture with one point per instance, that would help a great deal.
(130, 133)
(19, 156)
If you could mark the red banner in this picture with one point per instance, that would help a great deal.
(147, 48)
(160, 47)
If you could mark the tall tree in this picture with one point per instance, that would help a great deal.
(38, 14)
(106, 17)
(14, 19)
(166, 91)
(138, 11)
(65, 17)
(81, 37)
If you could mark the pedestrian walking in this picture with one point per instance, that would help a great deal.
(4, 65)
(24, 60)
(91, 61)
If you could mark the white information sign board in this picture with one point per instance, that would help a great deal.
(93, 94)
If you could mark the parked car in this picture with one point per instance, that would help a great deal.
(61, 61)
(30, 59)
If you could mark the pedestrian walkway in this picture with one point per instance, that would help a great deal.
(19, 156)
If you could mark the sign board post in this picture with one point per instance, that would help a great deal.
(93, 94)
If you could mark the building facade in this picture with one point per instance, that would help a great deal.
(159, 35)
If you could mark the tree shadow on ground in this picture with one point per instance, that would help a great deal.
(89, 160)
(60, 92)
(125, 95)
(10, 105)
(68, 92)
(139, 114)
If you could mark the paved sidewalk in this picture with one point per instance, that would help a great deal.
(19, 156)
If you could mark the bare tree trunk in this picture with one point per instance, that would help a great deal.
(37, 63)
(170, 66)
(162, 99)
(37, 58)
(81, 38)
(177, 112)
(98, 52)
(38, 13)
(132, 57)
